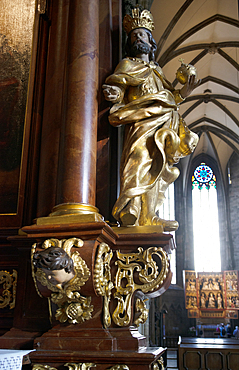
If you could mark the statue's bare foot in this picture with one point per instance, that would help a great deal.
(129, 215)
(168, 225)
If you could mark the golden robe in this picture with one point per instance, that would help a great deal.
(156, 136)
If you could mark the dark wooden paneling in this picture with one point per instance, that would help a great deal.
(208, 353)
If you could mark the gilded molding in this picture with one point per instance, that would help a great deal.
(159, 364)
(43, 367)
(102, 279)
(141, 308)
(41, 6)
(33, 250)
(73, 307)
(71, 366)
(75, 312)
(80, 366)
(148, 275)
(9, 287)
(145, 271)
(119, 367)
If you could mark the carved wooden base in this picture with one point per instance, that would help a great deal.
(18, 339)
(95, 314)
(75, 338)
(143, 359)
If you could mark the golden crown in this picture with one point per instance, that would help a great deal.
(145, 20)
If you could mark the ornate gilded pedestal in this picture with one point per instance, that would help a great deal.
(96, 313)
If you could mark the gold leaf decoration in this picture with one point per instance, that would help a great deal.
(102, 279)
(72, 305)
(119, 367)
(76, 312)
(8, 282)
(159, 364)
(140, 307)
(80, 366)
(43, 367)
(145, 264)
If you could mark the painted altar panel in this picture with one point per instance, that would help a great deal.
(16, 34)
(211, 294)
(190, 282)
(211, 290)
(231, 286)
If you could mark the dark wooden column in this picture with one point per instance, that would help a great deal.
(49, 142)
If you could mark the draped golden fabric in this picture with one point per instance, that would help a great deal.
(156, 137)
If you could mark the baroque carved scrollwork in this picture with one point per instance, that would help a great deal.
(119, 367)
(65, 284)
(141, 308)
(43, 367)
(159, 364)
(149, 278)
(9, 286)
(80, 366)
(71, 366)
(144, 271)
(102, 279)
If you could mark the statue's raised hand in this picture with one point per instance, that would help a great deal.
(112, 93)
(191, 84)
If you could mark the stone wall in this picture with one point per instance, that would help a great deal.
(233, 201)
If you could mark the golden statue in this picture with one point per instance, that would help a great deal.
(156, 137)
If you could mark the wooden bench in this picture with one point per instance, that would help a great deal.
(208, 354)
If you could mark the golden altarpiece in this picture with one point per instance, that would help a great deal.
(211, 294)
(77, 283)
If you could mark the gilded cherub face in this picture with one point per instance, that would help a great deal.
(56, 264)
(58, 277)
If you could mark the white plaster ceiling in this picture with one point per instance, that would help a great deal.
(206, 34)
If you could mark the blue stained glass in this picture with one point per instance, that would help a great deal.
(203, 176)
(203, 173)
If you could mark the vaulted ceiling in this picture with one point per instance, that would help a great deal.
(204, 33)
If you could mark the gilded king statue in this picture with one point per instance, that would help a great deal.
(156, 136)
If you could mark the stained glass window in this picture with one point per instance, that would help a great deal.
(203, 176)
(205, 220)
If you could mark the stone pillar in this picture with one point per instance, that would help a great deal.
(77, 157)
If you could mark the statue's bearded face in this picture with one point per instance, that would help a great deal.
(139, 42)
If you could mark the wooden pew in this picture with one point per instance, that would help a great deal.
(208, 353)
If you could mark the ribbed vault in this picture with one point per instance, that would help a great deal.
(206, 34)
